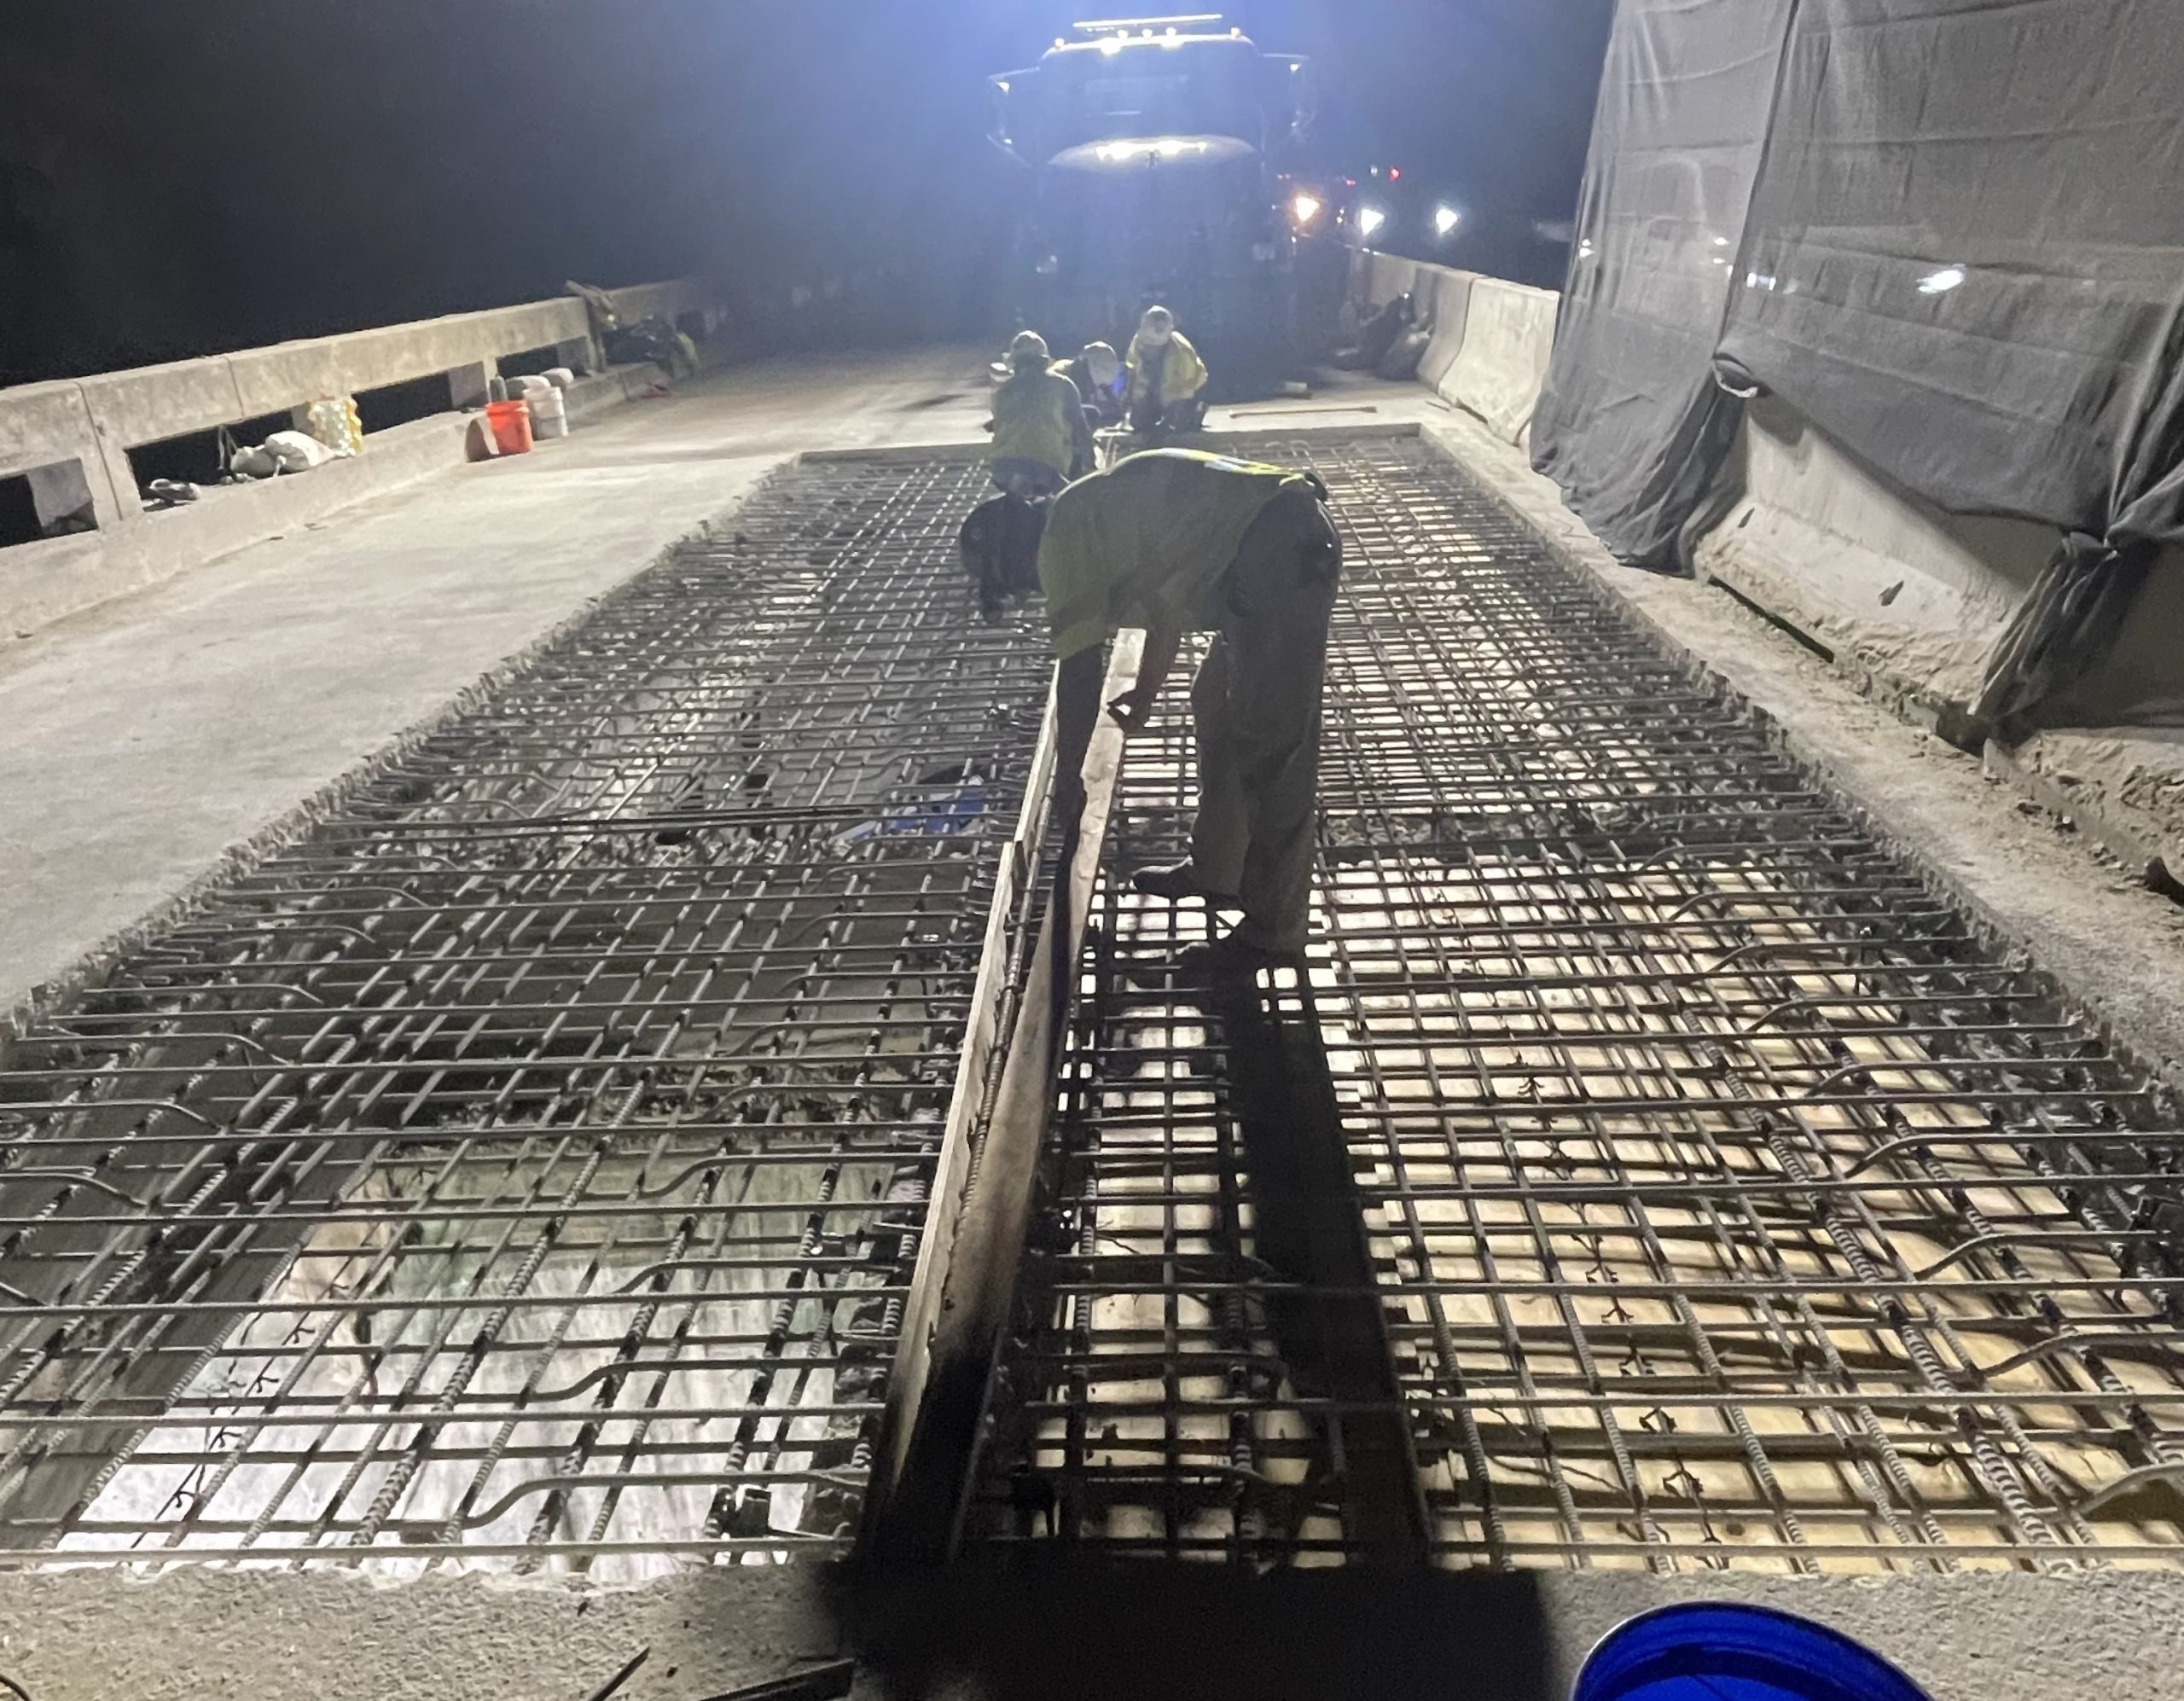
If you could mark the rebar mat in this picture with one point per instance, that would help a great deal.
(525, 1164)
(1647, 1171)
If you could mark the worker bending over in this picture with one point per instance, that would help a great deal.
(1167, 379)
(1176, 541)
(1041, 438)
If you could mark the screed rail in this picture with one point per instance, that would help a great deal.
(1648, 1170)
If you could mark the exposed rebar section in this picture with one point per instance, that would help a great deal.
(526, 1162)
(1729, 1203)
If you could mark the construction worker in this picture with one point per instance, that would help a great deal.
(1097, 372)
(999, 544)
(1178, 540)
(1040, 439)
(1167, 379)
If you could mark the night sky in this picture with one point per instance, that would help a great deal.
(179, 179)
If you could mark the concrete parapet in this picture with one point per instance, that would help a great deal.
(47, 580)
(70, 439)
(471, 384)
(1491, 338)
(1907, 601)
(46, 429)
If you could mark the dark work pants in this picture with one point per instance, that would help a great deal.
(1255, 706)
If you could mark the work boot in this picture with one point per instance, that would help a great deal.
(1175, 881)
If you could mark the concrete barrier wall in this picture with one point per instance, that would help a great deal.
(1491, 338)
(1909, 601)
(70, 438)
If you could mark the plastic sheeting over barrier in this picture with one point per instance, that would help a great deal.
(1964, 261)
(1950, 232)
(1965, 251)
(1630, 422)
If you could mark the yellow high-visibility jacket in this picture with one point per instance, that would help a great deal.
(1039, 416)
(1145, 542)
(1182, 373)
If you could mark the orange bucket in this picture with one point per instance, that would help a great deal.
(510, 424)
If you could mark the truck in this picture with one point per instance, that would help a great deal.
(1155, 150)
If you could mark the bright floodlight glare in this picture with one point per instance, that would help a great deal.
(1111, 45)
(1445, 220)
(1939, 282)
(1369, 220)
(1164, 147)
(1305, 207)
(1092, 24)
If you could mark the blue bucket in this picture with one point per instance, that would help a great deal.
(1718, 1651)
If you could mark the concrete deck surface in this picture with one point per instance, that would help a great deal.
(147, 736)
(1049, 1627)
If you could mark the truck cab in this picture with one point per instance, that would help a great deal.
(1154, 146)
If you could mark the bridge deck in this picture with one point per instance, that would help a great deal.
(525, 1163)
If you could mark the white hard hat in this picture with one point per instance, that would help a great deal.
(1104, 364)
(1029, 348)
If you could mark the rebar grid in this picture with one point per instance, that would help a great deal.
(525, 1165)
(1727, 1202)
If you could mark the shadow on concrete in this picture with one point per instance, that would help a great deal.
(1056, 1626)
(1308, 1230)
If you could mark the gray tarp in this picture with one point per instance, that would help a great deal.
(1962, 258)
(1965, 262)
(1965, 257)
(1630, 422)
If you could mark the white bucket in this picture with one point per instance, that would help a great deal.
(549, 411)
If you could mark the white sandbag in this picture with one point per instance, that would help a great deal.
(297, 451)
(254, 462)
